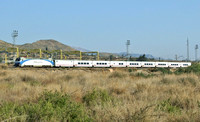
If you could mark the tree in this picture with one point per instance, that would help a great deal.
(111, 57)
(142, 58)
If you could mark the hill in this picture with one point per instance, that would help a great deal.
(4, 44)
(49, 44)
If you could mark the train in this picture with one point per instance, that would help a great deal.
(23, 62)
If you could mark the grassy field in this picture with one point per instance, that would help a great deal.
(99, 95)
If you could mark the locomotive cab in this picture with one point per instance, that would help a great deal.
(18, 60)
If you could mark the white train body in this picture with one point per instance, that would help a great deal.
(64, 63)
(118, 64)
(185, 64)
(86, 63)
(148, 64)
(174, 64)
(78, 63)
(133, 64)
(101, 63)
(161, 64)
(36, 63)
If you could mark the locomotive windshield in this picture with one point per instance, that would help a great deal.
(18, 59)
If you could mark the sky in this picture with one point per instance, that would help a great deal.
(157, 27)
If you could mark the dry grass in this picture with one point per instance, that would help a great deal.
(134, 98)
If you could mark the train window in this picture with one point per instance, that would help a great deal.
(120, 63)
(105, 63)
(133, 63)
(162, 64)
(79, 63)
(88, 63)
(174, 64)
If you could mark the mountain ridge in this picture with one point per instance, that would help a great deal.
(49, 44)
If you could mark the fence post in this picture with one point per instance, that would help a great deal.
(61, 57)
(40, 53)
(80, 55)
(98, 55)
(6, 63)
(17, 52)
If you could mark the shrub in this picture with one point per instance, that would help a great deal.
(195, 68)
(166, 81)
(3, 73)
(3, 66)
(27, 78)
(9, 111)
(170, 106)
(132, 70)
(49, 107)
(67, 77)
(180, 71)
(117, 75)
(164, 70)
(188, 80)
(140, 74)
(96, 97)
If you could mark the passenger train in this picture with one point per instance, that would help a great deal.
(23, 62)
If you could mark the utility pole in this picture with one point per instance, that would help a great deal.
(196, 50)
(14, 35)
(188, 58)
(176, 57)
(127, 47)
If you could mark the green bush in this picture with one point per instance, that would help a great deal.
(49, 107)
(132, 70)
(166, 81)
(140, 74)
(164, 70)
(96, 97)
(117, 75)
(170, 106)
(195, 68)
(180, 71)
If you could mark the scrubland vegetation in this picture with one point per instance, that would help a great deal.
(100, 94)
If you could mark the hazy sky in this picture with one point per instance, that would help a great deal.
(157, 27)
